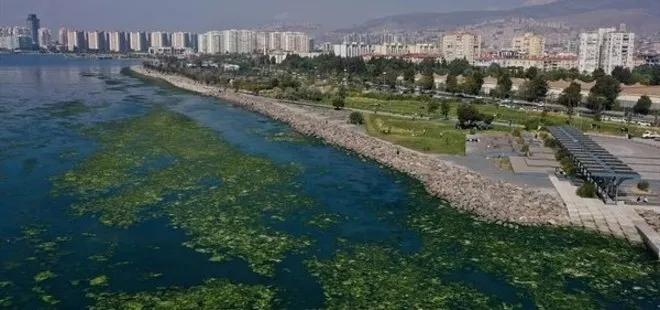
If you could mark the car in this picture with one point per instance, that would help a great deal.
(651, 135)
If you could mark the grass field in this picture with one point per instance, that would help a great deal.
(412, 107)
(420, 135)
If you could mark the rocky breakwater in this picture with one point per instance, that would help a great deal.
(464, 189)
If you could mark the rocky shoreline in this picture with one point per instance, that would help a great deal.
(465, 189)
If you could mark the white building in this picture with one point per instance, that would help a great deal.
(618, 49)
(461, 45)
(605, 48)
(75, 41)
(117, 42)
(96, 41)
(62, 36)
(45, 37)
(137, 42)
(158, 39)
(354, 49)
(180, 40)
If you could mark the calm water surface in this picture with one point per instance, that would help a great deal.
(46, 102)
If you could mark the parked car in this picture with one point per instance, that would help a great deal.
(651, 135)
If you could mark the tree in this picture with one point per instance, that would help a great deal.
(531, 73)
(473, 83)
(494, 70)
(598, 73)
(432, 106)
(342, 93)
(409, 76)
(571, 97)
(356, 118)
(504, 85)
(426, 82)
(451, 85)
(535, 89)
(596, 104)
(458, 66)
(468, 113)
(338, 102)
(444, 109)
(643, 105)
(623, 75)
(608, 88)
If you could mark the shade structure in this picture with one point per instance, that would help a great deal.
(594, 162)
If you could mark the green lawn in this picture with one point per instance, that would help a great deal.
(421, 135)
(411, 107)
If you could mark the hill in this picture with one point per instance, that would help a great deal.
(640, 16)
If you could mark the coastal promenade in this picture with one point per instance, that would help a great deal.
(466, 190)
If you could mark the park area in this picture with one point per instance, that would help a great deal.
(502, 115)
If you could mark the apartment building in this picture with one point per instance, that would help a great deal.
(606, 48)
(618, 49)
(529, 44)
(544, 63)
(137, 42)
(45, 37)
(117, 42)
(158, 39)
(180, 40)
(353, 49)
(75, 41)
(461, 45)
(96, 41)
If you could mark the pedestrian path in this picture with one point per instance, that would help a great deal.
(619, 220)
(595, 215)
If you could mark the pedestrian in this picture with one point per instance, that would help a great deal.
(639, 199)
(646, 200)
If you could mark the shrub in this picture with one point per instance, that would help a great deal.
(561, 154)
(643, 185)
(551, 143)
(587, 190)
(524, 148)
(516, 132)
(356, 118)
(543, 135)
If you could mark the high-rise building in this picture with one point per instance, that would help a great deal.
(117, 42)
(618, 49)
(605, 48)
(158, 39)
(96, 41)
(246, 42)
(45, 37)
(180, 40)
(33, 25)
(62, 36)
(529, 44)
(138, 42)
(354, 49)
(461, 45)
(76, 41)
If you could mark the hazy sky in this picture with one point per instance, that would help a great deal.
(201, 15)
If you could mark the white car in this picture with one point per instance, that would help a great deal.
(651, 135)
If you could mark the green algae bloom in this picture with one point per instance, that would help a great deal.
(213, 294)
(99, 281)
(168, 164)
(44, 275)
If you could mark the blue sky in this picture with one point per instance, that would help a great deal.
(201, 15)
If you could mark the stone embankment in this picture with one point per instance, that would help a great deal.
(465, 189)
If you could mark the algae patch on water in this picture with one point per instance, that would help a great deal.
(170, 165)
(213, 294)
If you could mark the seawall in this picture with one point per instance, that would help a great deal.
(463, 188)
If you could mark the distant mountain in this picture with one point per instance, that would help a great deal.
(639, 15)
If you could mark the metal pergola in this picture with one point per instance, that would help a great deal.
(594, 163)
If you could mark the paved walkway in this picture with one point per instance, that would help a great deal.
(617, 220)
